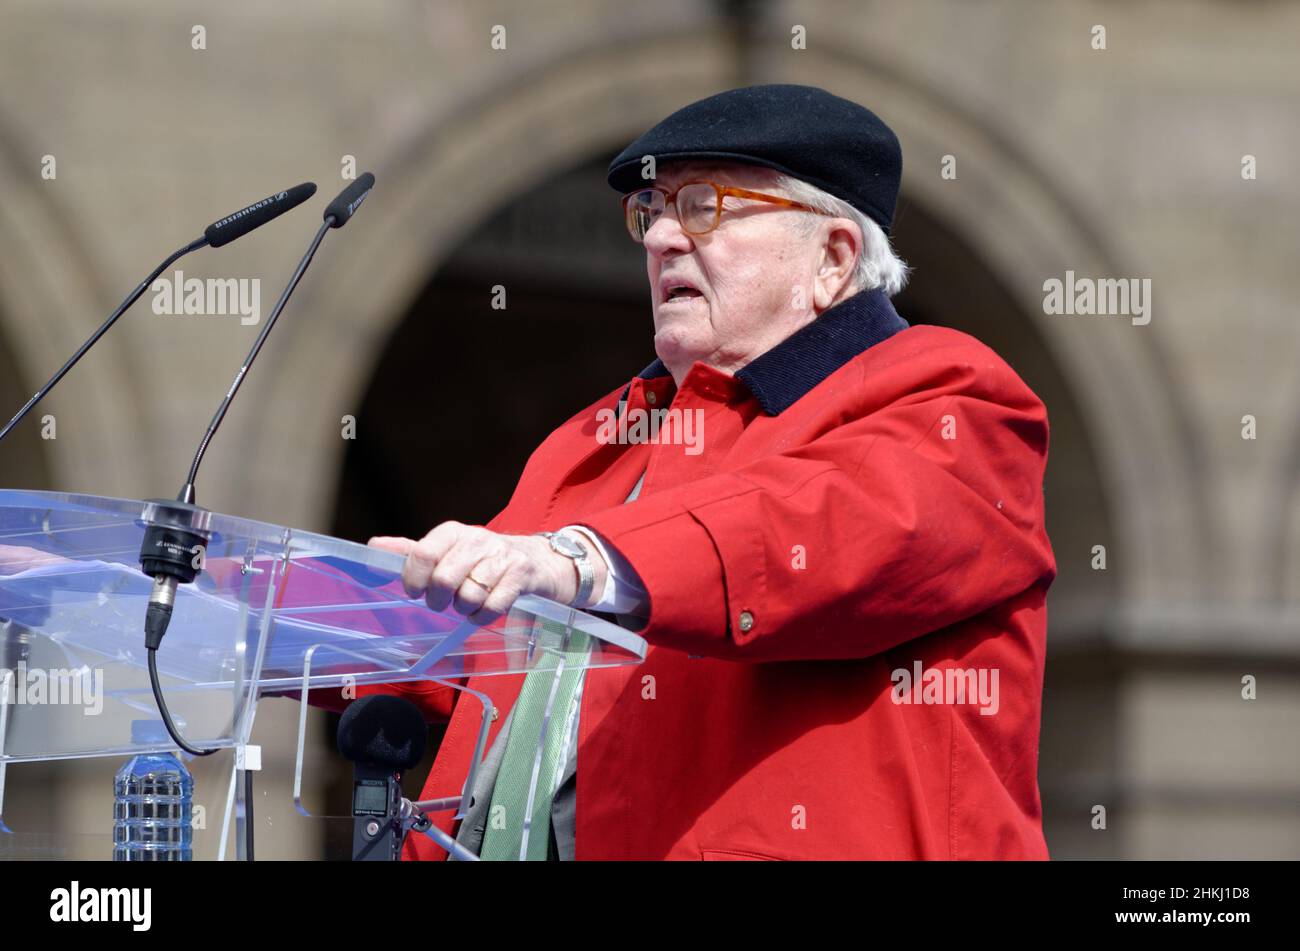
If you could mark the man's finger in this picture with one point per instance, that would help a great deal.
(398, 546)
(497, 603)
(424, 558)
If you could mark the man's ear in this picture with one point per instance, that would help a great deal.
(842, 239)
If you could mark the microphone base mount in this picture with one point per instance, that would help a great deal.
(175, 539)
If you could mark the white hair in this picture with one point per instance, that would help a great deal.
(878, 265)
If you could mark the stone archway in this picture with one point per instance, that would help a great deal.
(51, 298)
(23, 462)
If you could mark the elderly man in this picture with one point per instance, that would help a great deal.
(842, 575)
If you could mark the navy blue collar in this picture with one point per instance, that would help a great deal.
(782, 375)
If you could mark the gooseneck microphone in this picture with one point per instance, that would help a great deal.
(337, 214)
(175, 539)
(220, 232)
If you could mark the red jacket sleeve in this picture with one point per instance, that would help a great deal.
(909, 516)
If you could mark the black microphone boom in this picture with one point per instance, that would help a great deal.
(218, 233)
(348, 200)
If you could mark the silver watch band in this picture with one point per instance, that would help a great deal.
(575, 547)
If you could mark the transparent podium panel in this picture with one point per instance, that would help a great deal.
(271, 610)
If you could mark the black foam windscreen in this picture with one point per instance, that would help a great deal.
(257, 214)
(382, 730)
(349, 200)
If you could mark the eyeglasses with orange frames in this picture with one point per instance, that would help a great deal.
(699, 206)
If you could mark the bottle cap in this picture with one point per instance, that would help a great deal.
(150, 733)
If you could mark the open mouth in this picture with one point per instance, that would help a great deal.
(681, 293)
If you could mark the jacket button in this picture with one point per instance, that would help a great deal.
(746, 620)
(650, 397)
(495, 713)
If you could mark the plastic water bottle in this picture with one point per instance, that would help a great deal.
(153, 796)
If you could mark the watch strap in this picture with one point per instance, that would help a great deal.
(582, 563)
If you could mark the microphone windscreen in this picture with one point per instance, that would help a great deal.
(383, 730)
(257, 214)
(349, 200)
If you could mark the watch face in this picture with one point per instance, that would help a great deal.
(567, 546)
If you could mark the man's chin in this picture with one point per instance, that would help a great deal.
(677, 346)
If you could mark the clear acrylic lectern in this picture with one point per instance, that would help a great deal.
(273, 610)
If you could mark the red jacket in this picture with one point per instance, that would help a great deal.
(869, 496)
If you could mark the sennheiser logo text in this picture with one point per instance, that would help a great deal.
(245, 212)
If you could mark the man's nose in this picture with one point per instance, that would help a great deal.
(666, 234)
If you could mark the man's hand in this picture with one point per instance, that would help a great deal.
(479, 573)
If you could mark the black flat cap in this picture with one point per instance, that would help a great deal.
(837, 145)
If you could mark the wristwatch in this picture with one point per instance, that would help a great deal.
(568, 545)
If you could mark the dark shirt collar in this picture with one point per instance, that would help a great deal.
(782, 375)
